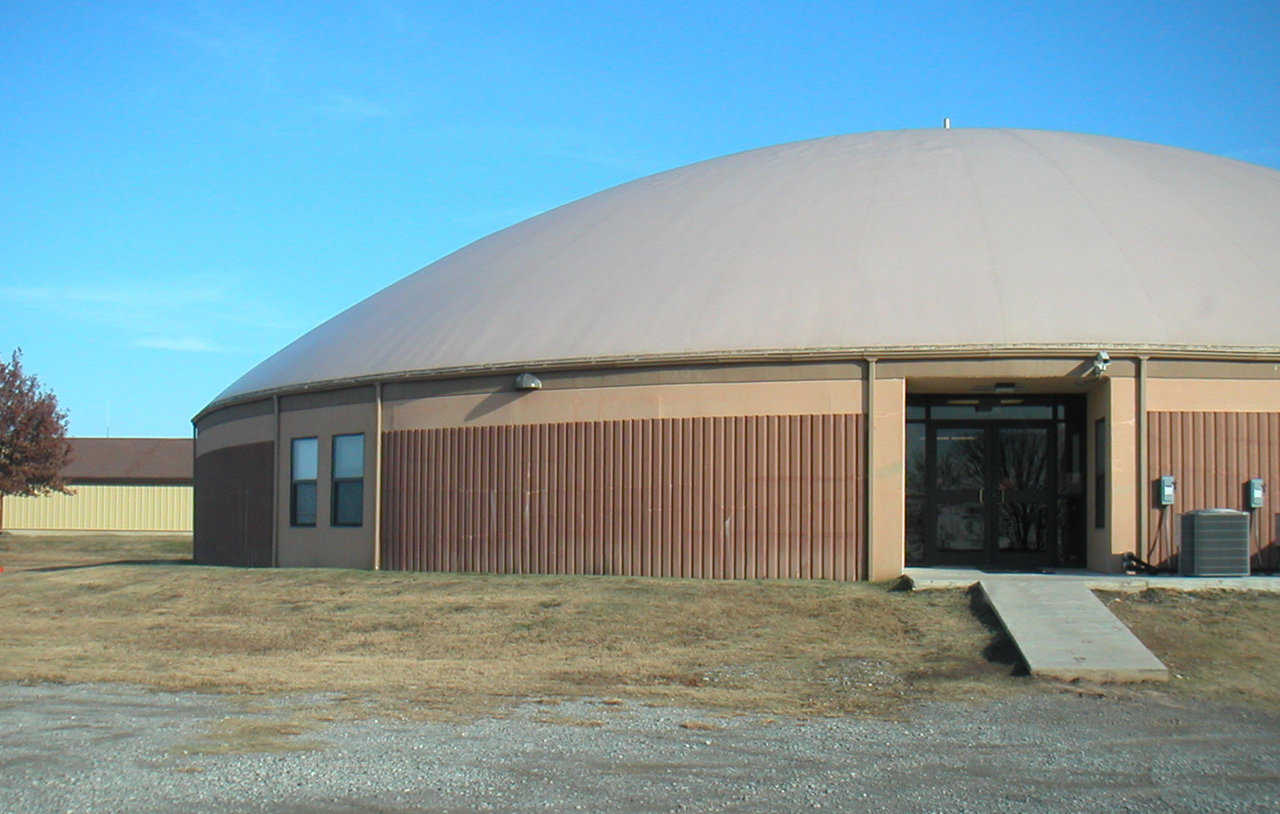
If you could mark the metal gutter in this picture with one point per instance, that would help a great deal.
(377, 480)
(275, 484)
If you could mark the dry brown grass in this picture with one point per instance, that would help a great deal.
(454, 644)
(1220, 645)
(243, 736)
(449, 643)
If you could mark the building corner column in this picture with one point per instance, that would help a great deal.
(1144, 476)
(886, 483)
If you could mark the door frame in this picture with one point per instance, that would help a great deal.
(1066, 416)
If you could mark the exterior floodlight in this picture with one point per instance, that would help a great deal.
(1100, 363)
(528, 381)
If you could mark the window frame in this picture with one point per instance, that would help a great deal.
(294, 482)
(335, 480)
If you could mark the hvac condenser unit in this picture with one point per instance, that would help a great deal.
(1215, 543)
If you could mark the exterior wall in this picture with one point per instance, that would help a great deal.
(104, 507)
(235, 458)
(726, 497)
(1213, 435)
(1212, 455)
(701, 400)
(324, 415)
(1210, 395)
(482, 417)
(888, 545)
(233, 500)
(1113, 398)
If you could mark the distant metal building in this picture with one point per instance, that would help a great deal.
(826, 359)
(117, 484)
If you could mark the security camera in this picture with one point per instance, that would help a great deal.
(1100, 363)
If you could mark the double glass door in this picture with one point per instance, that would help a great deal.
(991, 496)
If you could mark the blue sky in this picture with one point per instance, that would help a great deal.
(187, 187)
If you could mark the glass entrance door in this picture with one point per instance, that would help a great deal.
(960, 481)
(985, 492)
(1025, 492)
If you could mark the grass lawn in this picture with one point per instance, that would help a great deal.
(135, 610)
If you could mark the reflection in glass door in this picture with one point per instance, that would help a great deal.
(959, 488)
(1025, 489)
(994, 482)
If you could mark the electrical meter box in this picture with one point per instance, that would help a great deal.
(1257, 493)
(1166, 490)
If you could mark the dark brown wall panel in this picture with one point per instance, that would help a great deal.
(1212, 456)
(233, 502)
(724, 498)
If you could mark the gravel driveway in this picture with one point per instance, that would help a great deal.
(96, 748)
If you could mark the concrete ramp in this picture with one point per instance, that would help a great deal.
(1065, 632)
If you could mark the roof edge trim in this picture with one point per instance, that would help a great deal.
(1224, 353)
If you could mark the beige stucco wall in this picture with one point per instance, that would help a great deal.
(618, 403)
(1113, 398)
(886, 546)
(1213, 395)
(324, 544)
(103, 507)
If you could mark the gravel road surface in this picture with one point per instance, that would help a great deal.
(110, 748)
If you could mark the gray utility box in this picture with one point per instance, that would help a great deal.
(1215, 543)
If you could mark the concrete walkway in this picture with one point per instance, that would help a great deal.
(1065, 632)
(930, 578)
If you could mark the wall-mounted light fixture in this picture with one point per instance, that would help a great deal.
(1100, 363)
(1006, 387)
(528, 381)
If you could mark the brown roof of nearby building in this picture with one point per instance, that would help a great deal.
(146, 460)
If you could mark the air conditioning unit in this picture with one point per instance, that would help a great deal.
(1215, 543)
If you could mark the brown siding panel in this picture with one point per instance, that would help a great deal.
(757, 496)
(1212, 456)
(233, 503)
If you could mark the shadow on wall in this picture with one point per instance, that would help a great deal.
(494, 402)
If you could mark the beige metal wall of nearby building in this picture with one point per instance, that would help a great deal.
(104, 507)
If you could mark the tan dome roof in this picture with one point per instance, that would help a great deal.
(927, 238)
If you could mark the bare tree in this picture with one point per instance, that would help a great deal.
(33, 434)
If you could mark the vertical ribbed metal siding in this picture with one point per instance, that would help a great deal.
(104, 507)
(724, 498)
(1212, 455)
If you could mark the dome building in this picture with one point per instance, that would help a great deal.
(826, 359)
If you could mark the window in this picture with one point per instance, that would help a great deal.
(302, 495)
(348, 480)
(1100, 473)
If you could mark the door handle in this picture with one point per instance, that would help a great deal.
(982, 500)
